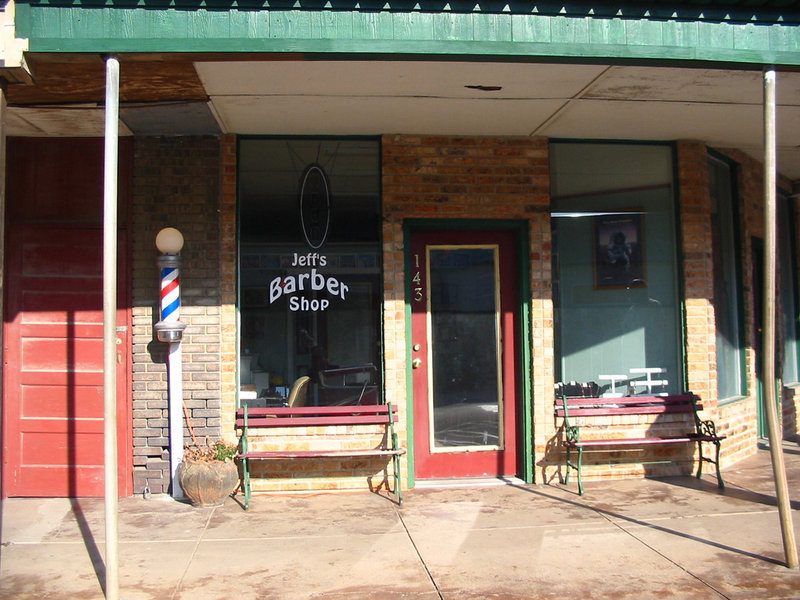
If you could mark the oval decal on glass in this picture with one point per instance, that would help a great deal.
(315, 205)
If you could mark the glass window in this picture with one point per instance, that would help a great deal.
(618, 319)
(309, 270)
(727, 301)
(788, 291)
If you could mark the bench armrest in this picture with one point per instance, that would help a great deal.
(706, 428)
(572, 434)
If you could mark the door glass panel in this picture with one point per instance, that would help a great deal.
(465, 358)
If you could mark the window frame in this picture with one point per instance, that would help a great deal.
(786, 222)
(736, 272)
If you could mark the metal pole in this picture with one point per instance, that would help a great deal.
(175, 377)
(770, 245)
(110, 327)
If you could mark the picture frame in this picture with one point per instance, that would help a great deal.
(619, 250)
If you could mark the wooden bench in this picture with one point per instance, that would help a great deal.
(250, 420)
(585, 410)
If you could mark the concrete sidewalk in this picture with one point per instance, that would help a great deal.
(672, 538)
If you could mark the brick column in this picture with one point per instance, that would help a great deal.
(698, 269)
(176, 183)
(227, 234)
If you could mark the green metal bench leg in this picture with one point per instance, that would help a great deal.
(717, 449)
(246, 476)
(577, 466)
(700, 462)
(398, 490)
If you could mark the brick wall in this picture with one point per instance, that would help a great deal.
(176, 183)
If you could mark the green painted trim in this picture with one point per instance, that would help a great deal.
(709, 10)
(526, 352)
(409, 343)
(732, 400)
(582, 38)
(681, 274)
(525, 412)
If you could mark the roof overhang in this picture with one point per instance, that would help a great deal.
(608, 71)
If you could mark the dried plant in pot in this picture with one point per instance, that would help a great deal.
(208, 474)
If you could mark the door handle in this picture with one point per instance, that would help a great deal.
(415, 364)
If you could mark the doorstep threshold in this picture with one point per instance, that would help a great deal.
(465, 482)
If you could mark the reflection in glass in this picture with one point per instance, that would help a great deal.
(465, 341)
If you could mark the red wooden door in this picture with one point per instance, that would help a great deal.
(53, 364)
(465, 323)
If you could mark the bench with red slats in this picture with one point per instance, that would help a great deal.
(568, 408)
(250, 419)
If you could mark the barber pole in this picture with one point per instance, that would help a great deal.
(170, 294)
(170, 329)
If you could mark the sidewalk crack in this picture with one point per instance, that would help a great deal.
(661, 554)
(179, 584)
(419, 554)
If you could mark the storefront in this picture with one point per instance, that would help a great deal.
(452, 223)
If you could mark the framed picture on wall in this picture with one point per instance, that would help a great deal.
(618, 244)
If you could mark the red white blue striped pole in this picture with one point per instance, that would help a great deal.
(170, 329)
(170, 294)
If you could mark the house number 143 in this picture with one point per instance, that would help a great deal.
(417, 281)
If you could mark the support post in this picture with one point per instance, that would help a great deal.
(110, 328)
(770, 245)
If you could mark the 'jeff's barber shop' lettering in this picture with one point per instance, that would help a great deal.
(311, 281)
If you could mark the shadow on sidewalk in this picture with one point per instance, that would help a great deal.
(98, 564)
(737, 493)
(728, 492)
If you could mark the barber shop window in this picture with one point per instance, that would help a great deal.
(615, 269)
(309, 271)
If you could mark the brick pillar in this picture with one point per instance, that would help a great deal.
(227, 235)
(176, 183)
(698, 269)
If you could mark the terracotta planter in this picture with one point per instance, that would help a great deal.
(208, 483)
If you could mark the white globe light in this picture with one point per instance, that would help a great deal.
(169, 241)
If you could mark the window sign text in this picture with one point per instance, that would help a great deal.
(300, 286)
